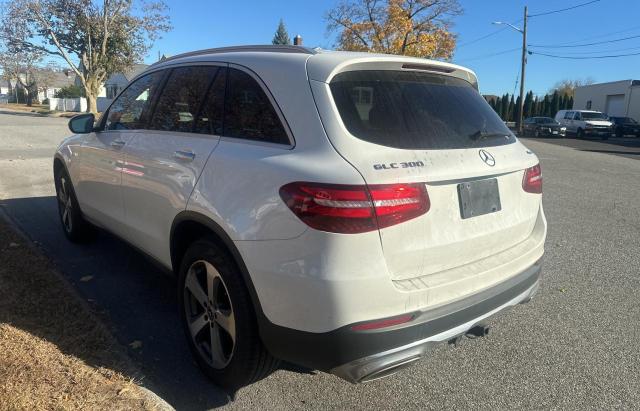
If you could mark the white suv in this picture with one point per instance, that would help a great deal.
(340, 211)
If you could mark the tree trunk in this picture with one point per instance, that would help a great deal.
(92, 105)
(92, 89)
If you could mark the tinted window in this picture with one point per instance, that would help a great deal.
(248, 111)
(131, 109)
(416, 110)
(209, 120)
(568, 115)
(593, 116)
(182, 98)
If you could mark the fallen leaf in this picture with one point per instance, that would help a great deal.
(86, 278)
(136, 344)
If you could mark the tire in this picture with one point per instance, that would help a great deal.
(580, 133)
(619, 133)
(74, 226)
(225, 342)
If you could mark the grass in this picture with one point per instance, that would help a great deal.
(54, 353)
(36, 108)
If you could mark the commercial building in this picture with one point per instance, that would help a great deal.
(617, 98)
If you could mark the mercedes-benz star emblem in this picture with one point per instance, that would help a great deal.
(487, 157)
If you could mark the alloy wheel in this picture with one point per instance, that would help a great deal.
(66, 205)
(209, 314)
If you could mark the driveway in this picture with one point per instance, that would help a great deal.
(577, 345)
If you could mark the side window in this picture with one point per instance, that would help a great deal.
(248, 111)
(209, 120)
(182, 98)
(568, 115)
(130, 111)
(577, 116)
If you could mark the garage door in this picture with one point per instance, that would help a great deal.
(615, 105)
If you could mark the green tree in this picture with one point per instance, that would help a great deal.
(504, 107)
(511, 109)
(546, 106)
(528, 103)
(96, 39)
(555, 104)
(281, 36)
(71, 91)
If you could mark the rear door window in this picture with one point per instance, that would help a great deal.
(182, 98)
(416, 110)
(249, 113)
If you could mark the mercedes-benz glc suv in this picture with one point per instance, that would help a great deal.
(340, 211)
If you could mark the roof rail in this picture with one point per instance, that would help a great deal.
(236, 49)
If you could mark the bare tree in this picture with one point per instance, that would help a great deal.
(20, 67)
(95, 38)
(45, 77)
(567, 87)
(419, 28)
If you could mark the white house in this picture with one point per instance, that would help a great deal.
(118, 81)
(617, 98)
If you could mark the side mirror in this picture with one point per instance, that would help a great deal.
(82, 123)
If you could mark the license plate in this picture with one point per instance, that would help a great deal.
(554, 132)
(479, 197)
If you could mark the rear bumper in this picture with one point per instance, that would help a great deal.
(358, 356)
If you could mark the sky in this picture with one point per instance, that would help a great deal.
(199, 24)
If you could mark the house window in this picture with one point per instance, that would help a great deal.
(112, 91)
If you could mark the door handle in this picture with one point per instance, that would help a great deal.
(117, 144)
(184, 155)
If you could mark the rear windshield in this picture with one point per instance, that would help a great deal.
(416, 110)
(593, 116)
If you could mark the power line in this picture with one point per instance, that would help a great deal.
(584, 57)
(493, 33)
(565, 9)
(483, 56)
(556, 46)
(602, 51)
(603, 35)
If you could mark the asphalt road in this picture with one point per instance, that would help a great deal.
(576, 346)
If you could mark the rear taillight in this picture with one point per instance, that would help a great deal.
(532, 181)
(351, 209)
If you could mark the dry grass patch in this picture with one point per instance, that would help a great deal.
(54, 353)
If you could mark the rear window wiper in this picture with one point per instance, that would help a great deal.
(483, 135)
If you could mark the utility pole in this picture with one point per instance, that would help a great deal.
(522, 70)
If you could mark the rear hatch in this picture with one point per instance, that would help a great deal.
(413, 126)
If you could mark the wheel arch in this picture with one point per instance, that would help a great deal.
(187, 227)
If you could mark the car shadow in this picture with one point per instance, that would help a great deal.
(135, 299)
(624, 153)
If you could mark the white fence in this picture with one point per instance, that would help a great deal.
(68, 104)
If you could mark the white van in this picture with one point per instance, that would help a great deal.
(585, 123)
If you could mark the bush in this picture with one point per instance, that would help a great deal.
(45, 101)
(71, 91)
